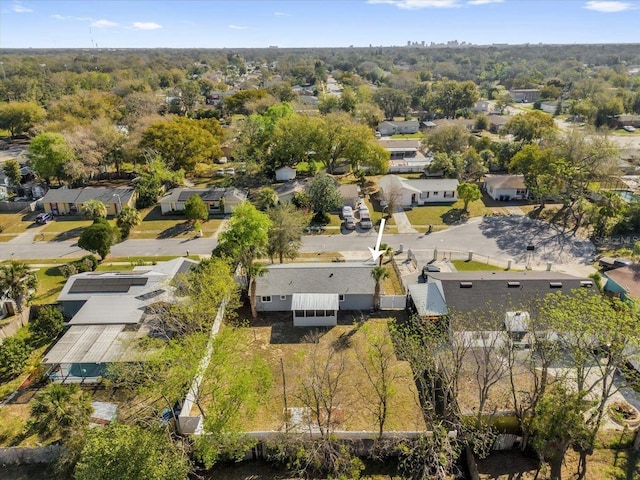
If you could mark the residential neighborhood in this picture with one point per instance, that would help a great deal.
(398, 262)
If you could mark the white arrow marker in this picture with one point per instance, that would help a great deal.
(376, 253)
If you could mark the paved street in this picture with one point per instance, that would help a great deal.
(497, 237)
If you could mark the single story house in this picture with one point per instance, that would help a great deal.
(109, 312)
(467, 123)
(406, 193)
(497, 123)
(68, 201)
(350, 194)
(628, 121)
(400, 149)
(623, 282)
(483, 106)
(525, 95)
(284, 174)
(388, 128)
(314, 292)
(503, 188)
(220, 200)
(287, 190)
(490, 296)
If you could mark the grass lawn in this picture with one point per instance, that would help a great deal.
(172, 228)
(281, 341)
(473, 266)
(391, 285)
(399, 136)
(14, 222)
(444, 214)
(65, 229)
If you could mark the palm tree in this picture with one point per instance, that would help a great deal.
(254, 270)
(60, 409)
(94, 209)
(379, 274)
(386, 250)
(128, 218)
(17, 281)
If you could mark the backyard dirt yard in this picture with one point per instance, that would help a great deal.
(354, 397)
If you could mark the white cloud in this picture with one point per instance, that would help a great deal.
(237, 27)
(79, 19)
(608, 7)
(146, 25)
(281, 14)
(416, 4)
(57, 17)
(19, 8)
(104, 23)
(483, 2)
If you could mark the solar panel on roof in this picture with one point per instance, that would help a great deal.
(105, 285)
(184, 196)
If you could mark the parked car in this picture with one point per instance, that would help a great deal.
(349, 223)
(629, 128)
(347, 211)
(429, 267)
(43, 218)
(363, 211)
(230, 171)
(365, 222)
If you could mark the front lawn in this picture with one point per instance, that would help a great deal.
(444, 214)
(473, 266)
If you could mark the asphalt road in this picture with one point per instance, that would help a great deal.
(499, 237)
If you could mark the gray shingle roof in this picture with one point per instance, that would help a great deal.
(341, 278)
(491, 294)
(82, 195)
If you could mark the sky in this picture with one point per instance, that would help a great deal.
(311, 23)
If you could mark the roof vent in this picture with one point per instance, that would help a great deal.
(555, 284)
(513, 284)
(466, 284)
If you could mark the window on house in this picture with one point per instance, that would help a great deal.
(521, 191)
(586, 283)
(466, 284)
(283, 297)
(319, 313)
(266, 299)
(448, 194)
(330, 313)
(555, 284)
(435, 193)
(299, 313)
(341, 298)
(513, 284)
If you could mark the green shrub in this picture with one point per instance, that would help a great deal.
(14, 353)
(46, 326)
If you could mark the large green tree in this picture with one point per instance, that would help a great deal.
(285, 231)
(120, 451)
(11, 169)
(46, 326)
(14, 353)
(183, 142)
(20, 117)
(245, 239)
(530, 126)
(323, 194)
(393, 102)
(99, 237)
(468, 192)
(196, 209)
(48, 154)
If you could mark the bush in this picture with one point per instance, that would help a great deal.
(46, 326)
(88, 263)
(14, 353)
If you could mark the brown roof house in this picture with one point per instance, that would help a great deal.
(504, 188)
